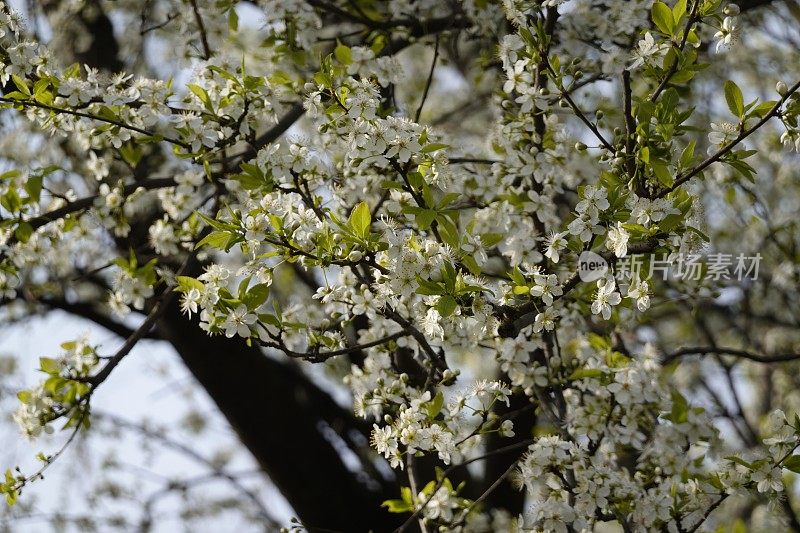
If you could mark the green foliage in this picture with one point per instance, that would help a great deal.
(734, 98)
(663, 18)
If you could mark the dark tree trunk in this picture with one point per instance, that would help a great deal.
(280, 416)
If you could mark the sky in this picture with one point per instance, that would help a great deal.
(149, 385)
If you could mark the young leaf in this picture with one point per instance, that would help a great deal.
(661, 172)
(360, 219)
(793, 463)
(187, 283)
(435, 405)
(425, 218)
(687, 156)
(397, 506)
(733, 95)
(216, 239)
(233, 20)
(662, 18)
(343, 54)
(446, 305)
(21, 85)
(679, 10)
(256, 296)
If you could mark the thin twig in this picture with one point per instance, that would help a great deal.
(54, 109)
(202, 28)
(324, 356)
(774, 110)
(744, 354)
(429, 81)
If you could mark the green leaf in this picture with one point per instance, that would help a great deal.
(21, 85)
(446, 305)
(397, 506)
(416, 180)
(433, 147)
(680, 408)
(448, 229)
(598, 342)
(763, 108)
(425, 218)
(491, 239)
(360, 219)
(41, 91)
(472, 265)
(739, 461)
(23, 232)
(792, 463)
(733, 95)
(662, 18)
(428, 288)
(131, 153)
(343, 54)
(187, 283)
(435, 405)
(448, 199)
(698, 233)
(11, 201)
(678, 10)
(249, 182)
(217, 224)
(49, 365)
(233, 20)
(582, 373)
(201, 94)
(242, 289)
(661, 172)
(10, 174)
(256, 296)
(688, 154)
(216, 239)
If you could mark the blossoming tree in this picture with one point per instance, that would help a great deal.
(406, 193)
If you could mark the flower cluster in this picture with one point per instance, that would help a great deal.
(63, 393)
(438, 277)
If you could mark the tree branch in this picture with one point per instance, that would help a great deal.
(680, 180)
(743, 354)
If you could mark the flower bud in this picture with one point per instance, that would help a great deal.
(731, 10)
(781, 88)
(579, 146)
(448, 377)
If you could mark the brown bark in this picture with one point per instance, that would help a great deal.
(280, 417)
